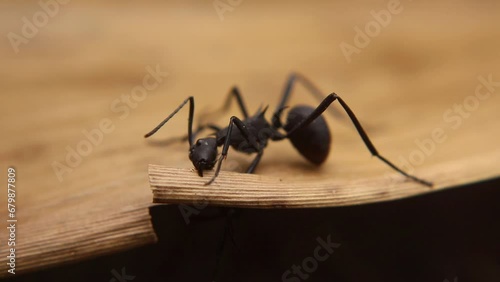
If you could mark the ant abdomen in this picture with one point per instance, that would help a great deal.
(312, 141)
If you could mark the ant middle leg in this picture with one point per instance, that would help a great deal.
(255, 162)
(234, 93)
(287, 93)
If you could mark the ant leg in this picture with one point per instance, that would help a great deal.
(190, 120)
(234, 93)
(255, 162)
(252, 140)
(314, 115)
(324, 105)
(287, 92)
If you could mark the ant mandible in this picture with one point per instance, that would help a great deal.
(305, 128)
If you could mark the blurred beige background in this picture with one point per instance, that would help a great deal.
(73, 72)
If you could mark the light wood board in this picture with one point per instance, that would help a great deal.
(68, 78)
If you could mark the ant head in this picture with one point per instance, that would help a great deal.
(203, 154)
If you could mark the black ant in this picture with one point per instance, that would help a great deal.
(305, 128)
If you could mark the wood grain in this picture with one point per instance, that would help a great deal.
(183, 186)
(84, 63)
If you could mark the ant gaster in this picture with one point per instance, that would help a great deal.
(305, 128)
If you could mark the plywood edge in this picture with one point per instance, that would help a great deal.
(79, 239)
(183, 186)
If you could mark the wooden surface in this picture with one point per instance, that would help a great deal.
(67, 78)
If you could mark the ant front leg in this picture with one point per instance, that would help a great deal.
(190, 120)
(249, 137)
(191, 135)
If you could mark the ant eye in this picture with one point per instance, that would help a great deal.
(201, 142)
